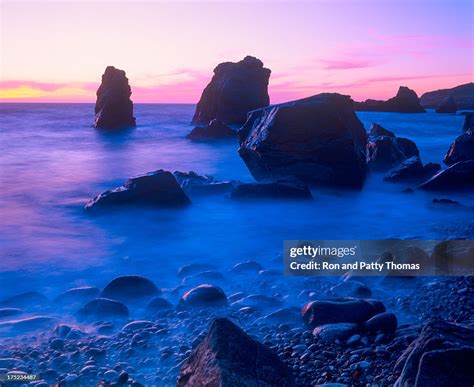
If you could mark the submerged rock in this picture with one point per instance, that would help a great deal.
(462, 149)
(278, 189)
(158, 188)
(204, 295)
(114, 109)
(103, 308)
(214, 130)
(386, 151)
(158, 304)
(442, 355)
(27, 325)
(7, 312)
(411, 169)
(351, 289)
(197, 185)
(406, 101)
(130, 288)
(77, 295)
(228, 357)
(447, 106)
(235, 90)
(317, 140)
(193, 268)
(348, 310)
(457, 176)
(27, 300)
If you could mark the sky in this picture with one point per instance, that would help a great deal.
(56, 51)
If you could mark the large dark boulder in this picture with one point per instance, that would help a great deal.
(447, 106)
(441, 356)
(130, 288)
(317, 140)
(158, 188)
(235, 89)
(386, 151)
(212, 131)
(411, 169)
(204, 295)
(102, 308)
(463, 96)
(406, 101)
(114, 109)
(279, 189)
(462, 149)
(228, 357)
(457, 176)
(345, 310)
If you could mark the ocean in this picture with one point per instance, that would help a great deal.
(52, 162)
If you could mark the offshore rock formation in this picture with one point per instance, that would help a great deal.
(406, 101)
(318, 139)
(114, 109)
(235, 89)
(447, 106)
(229, 357)
(386, 151)
(158, 188)
(279, 189)
(214, 130)
(412, 169)
(463, 96)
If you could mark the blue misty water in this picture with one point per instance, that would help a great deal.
(52, 162)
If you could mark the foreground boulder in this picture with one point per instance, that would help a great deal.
(386, 151)
(130, 288)
(406, 101)
(102, 308)
(447, 106)
(203, 296)
(317, 140)
(463, 96)
(457, 176)
(329, 333)
(348, 310)
(158, 188)
(77, 295)
(197, 185)
(214, 130)
(114, 109)
(442, 355)
(279, 189)
(411, 169)
(235, 89)
(462, 149)
(228, 357)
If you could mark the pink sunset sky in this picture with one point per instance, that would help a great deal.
(57, 51)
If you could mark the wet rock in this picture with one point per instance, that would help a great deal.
(385, 322)
(193, 268)
(204, 295)
(77, 295)
(347, 310)
(351, 289)
(317, 140)
(447, 106)
(212, 131)
(329, 333)
(235, 90)
(406, 101)
(7, 312)
(386, 151)
(205, 276)
(462, 149)
(442, 355)
(197, 185)
(114, 109)
(130, 288)
(103, 308)
(279, 189)
(283, 315)
(246, 267)
(158, 188)
(448, 202)
(457, 176)
(158, 304)
(411, 169)
(26, 325)
(229, 357)
(27, 300)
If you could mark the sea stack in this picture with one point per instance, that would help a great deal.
(406, 101)
(235, 90)
(318, 140)
(447, 106)
(114, 109)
